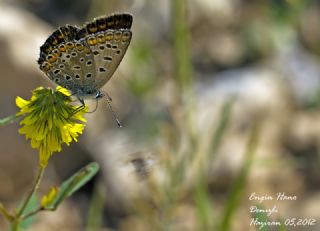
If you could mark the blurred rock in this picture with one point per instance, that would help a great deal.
(309, 29)
(300, 71)
(60, 219)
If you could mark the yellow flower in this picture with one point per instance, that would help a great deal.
(46, 200)
(50, 120)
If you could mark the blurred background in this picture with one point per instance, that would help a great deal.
(218, 99)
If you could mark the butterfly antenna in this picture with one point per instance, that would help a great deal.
(108, 96)
(111, 109)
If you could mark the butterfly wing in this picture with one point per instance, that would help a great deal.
(67, 61)
(108, 39)
(84, 59)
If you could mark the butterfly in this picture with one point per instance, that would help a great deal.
(83, 59)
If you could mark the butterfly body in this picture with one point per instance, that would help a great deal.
(84, 59)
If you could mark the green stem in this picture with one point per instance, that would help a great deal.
(18, 217)
(9, 119)
(33, 213)
(32, 191)
(5, 213)
(15, 225)
(235, 197)
(182, 59)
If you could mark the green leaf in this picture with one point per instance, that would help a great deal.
(282, 227)
(261, 217)
(32, 205)
(73, 184)
(224, 120)
(95, 213)
(236, 193)
(203, 205)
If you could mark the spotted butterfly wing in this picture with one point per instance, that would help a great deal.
(84, 59)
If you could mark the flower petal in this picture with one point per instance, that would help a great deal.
(50, 121)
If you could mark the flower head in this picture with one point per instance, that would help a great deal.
(50, 120)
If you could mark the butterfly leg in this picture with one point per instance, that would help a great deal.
(79, 108)
(96, 107)
(82, 106)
